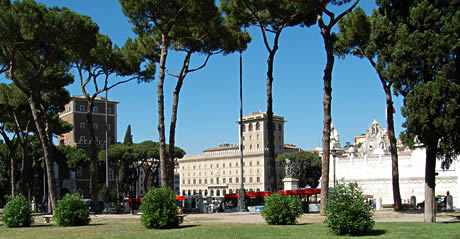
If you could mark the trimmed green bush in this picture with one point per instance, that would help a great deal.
(17, 212)
(281, 210)
(71, 210)
(159, 209)
(346, 211)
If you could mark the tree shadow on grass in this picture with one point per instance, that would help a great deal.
(375, 233)
(42, 225)
(186, 226)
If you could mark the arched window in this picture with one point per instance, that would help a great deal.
(111, 176)
(212, 192)
(217, 192)
(206, 192)
(250, 127)
(224, 192)
(200, 192)
(183, 193)
(189, 192)
(257, 126)
(230, 191)
(258, 190)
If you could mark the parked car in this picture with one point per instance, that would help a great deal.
(440, 202)
(89, 203)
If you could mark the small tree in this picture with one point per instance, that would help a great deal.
(281, 210)
(72, 211)
(159, 209)
(346, 212)
(17, 212)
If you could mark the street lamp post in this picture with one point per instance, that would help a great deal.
(333, 152)
(242, 193)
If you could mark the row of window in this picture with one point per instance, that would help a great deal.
(217, 165)
(257, 127)
(95, 126)
(95, 109)
(217, 192)
(224, 180)
(83, 139)
(218, 172)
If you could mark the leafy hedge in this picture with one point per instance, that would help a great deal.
(159, 209)
(71, 210)
(346, 211)
(281, 210)
(17, 212)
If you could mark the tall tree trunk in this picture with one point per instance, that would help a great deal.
(391, 136)
(93, 177)
(393, 150)
(47, 152)
(172, 128)
(164, 164)
(327, 99)
(430, 184)
(270, 124)
(12, 175)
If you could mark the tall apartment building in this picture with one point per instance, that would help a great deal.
(75, 114)
(217, 171)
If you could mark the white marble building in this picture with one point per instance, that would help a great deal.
(370, 167)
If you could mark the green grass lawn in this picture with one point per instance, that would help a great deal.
(131, 228)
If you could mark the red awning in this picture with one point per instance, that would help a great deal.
(178, 197)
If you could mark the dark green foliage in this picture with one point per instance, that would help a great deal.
(306, 166)
(346, 211)
(17, 212)
(128, 136)
(281, 210)
(71, 210)
(159, 209)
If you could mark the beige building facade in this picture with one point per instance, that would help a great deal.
(216, 172)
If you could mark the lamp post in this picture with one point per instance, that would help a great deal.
(333, 152)
(242, 194)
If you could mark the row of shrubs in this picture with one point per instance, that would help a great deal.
(346, 213)
(70, 211)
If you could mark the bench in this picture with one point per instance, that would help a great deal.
(47, 218)
(181, 218)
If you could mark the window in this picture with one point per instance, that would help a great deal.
(82, 108)
(217, 165)
(223, 180)
(229, 180)
(193, 166)
(237, 180)
(82, 139)
(230, 165)
(188, 181)
(250, 146)
(212, 180)
(79, 171)
(257, 162)
(258, 146)
(250, 179)
(194, 181)
(243, 138)
(257, 136)
(199, 181)
(250, 127)
(109, 140)
(183, 181)
(205, 181)
(244, 179)
(217, 180)
(250, 137)
(257, 127)
(111, 176)
(82, 125)
(97, 139)
(109, 110)
(95, 126)
(223, 165)
(109, 127)
(250, 163)
(95, 109)
(236, 164)
(258, 179)
(211, 165)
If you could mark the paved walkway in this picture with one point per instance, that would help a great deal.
(255, 218)
(379, 216)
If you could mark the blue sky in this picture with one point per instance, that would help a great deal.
(209, 103)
